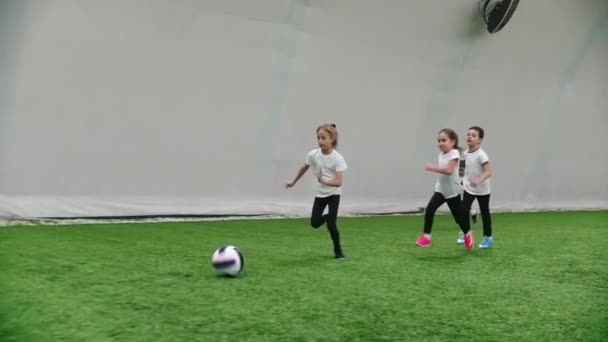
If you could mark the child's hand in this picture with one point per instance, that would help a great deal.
(289, 185)
(320, 179)
(428, 166)
(475, 182)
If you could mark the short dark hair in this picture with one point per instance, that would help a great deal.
(479, 130)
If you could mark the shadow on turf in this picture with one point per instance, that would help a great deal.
(9, 332)
(452, 258)
(306, 260)
(294, 261)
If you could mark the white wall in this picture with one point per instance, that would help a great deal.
(207, 107)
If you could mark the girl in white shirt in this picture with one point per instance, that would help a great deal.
(447, 189)
(328, 165)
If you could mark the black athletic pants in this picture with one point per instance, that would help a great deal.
(456, 208)
(317, 218)
(484, 207)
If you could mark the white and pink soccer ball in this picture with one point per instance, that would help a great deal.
(228, 261)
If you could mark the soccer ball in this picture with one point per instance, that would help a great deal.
(228, 260)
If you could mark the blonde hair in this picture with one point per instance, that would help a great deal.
(332, 131)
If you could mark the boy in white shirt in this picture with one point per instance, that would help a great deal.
(476, 182)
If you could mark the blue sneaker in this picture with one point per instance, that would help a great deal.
(486, 242)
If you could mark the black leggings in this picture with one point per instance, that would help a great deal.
(484, 207)
(460, 216)
(317, 218)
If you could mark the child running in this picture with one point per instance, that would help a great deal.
(476, 182)
(447, 189)
(328, 166)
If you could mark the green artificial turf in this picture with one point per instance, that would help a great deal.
(545, 279)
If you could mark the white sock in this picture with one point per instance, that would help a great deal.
(428, 236)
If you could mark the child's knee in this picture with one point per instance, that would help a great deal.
(316, 222)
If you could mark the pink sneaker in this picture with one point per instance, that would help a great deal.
(423, 241)
(468, 240)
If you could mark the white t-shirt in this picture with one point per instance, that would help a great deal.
(448, 186)
(327, 166)
(473, 170)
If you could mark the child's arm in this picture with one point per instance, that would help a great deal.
(487, 173)
(301, 173)
(337, 182)
(444, 171)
